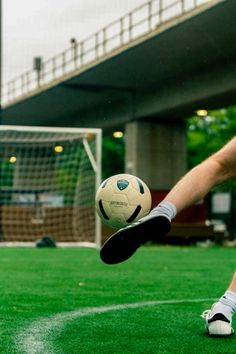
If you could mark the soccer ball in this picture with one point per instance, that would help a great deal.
(122, 199)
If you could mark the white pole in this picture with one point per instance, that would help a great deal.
(98, 236)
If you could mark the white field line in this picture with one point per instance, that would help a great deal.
(38, 337)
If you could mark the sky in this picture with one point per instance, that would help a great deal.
(32, 28)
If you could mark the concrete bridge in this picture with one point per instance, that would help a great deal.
(146, 77)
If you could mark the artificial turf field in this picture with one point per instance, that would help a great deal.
(66, 300)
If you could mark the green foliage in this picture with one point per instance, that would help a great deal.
(73, 171)
(208, 134)
(113, 152)
(66, 173)
(6, 178)
(6, 173)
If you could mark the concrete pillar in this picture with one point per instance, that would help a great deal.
(156, 152)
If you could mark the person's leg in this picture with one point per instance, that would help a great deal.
(191, 188)
(215, 170)
(232, 285)
(219, 318)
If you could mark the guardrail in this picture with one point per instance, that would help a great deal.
(142, 20)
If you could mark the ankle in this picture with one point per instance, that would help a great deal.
(229, 299)
(166, 208)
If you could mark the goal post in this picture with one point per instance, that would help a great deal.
(48, 180)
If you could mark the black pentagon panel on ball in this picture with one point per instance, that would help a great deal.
(134, 214)
(105, 183)
(140, 185)
(102, 210)
(122, 184)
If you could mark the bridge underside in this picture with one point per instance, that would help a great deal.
(164, 77)
(148, 89)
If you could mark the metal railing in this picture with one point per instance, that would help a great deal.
(141, 21)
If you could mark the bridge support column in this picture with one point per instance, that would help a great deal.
(156, 153)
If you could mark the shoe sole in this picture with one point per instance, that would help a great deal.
(123, 244)
(219, 329)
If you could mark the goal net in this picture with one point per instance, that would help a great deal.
(48, 180)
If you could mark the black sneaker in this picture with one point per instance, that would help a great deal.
(122, 244)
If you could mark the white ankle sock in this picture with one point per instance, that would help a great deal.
(229, 299)
(166, 208)
(221, 308)
(225, 305)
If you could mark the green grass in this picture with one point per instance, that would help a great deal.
(37, 283)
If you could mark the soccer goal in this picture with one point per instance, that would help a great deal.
(48, 180)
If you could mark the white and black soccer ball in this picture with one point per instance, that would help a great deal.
(122, 199)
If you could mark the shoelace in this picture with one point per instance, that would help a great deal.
(205, 314)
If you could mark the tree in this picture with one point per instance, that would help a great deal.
(113, 152)
(209, 133)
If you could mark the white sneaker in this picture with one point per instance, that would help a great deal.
(218, 324)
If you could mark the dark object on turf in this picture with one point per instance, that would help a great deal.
(122, 244)
(45, 242)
